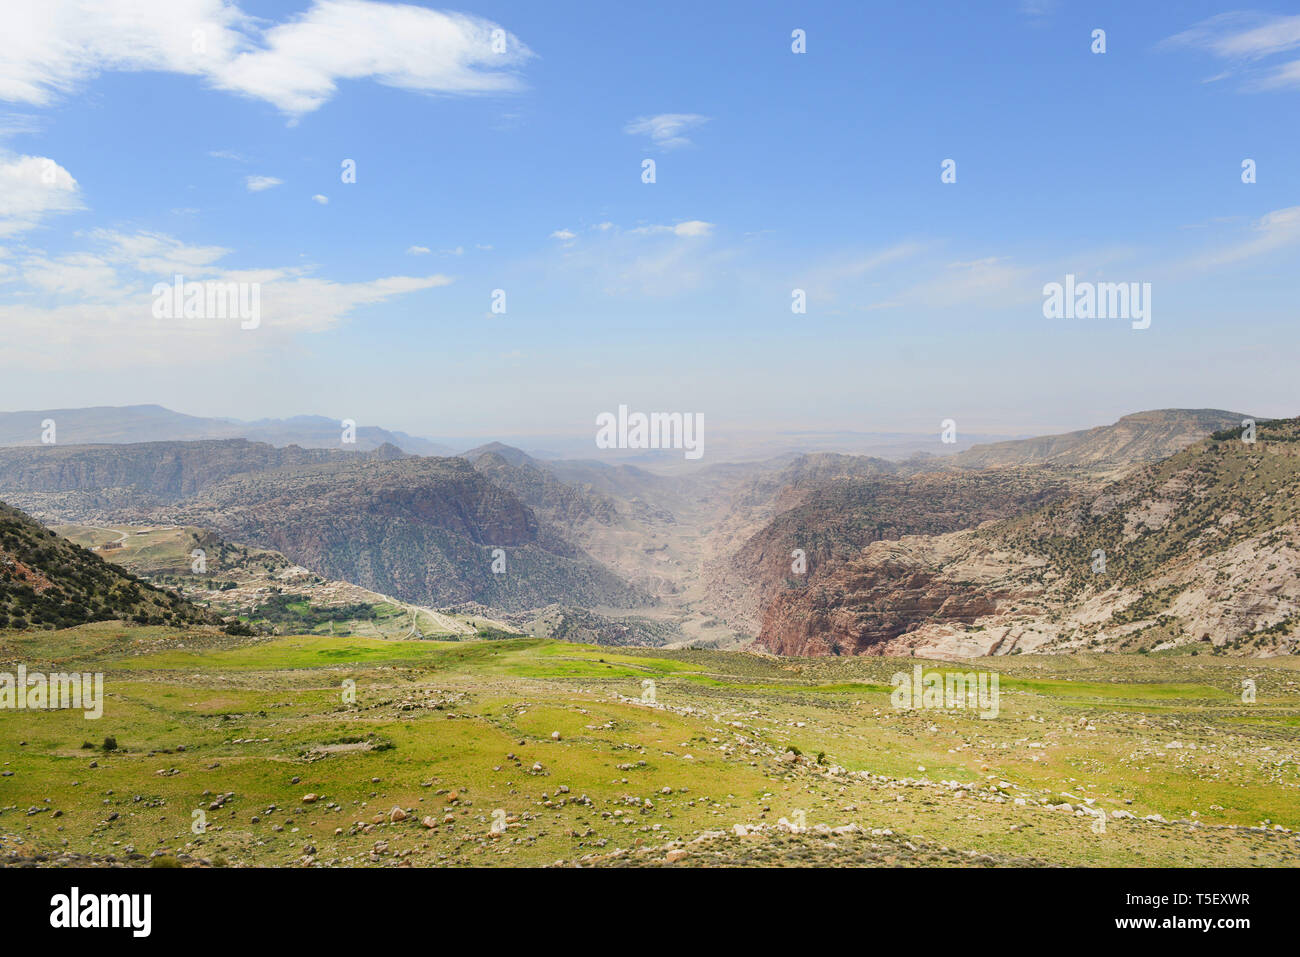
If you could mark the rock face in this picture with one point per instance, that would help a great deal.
(1203, 547)
(833, 522)
(890, 590)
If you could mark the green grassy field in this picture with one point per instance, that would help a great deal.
(459, 733)
(245, 582)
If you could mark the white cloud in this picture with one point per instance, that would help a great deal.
(1244, 38)
(1283, 77)
(667, 130)
(256, 184)
(30, 188)
(51, 48)
(690, 229)
(319, 198)
(418, 250)
(693, 227)
(156, 253)
(1242, 35)
(564, 234)
(96, 306)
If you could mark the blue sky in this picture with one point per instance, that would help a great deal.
(521, 171)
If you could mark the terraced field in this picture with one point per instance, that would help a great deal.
(314, 750)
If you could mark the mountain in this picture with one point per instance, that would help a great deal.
(48, 582)
(1201, 549)
(153, 423)
(511, 455)
(422, 529)
(829, 520)
(89, 481)
(563, 505)
(1141, 437)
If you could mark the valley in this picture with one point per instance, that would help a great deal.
(366, 658)
(981, 552)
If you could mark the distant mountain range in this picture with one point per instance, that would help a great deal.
(153, 423)
(957, 554)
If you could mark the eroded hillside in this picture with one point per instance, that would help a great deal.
(1200, 549)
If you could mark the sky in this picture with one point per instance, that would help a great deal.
(498, 151)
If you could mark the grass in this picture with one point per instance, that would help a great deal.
(454, 729)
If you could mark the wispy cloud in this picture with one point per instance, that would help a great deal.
(667, 130)
(13, 124)
(1038, 8)
(1272, 231)
(1245, 39)
(654, 260)
(256, 184)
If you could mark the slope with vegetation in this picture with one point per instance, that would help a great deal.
(48, 582)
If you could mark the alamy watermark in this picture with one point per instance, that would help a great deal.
(1101, 300)
(209, 299)
(39, 692)
(654, 430)
(951, 689)
(75, 909)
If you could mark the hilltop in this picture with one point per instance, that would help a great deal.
(1140, 437)
(48, 582)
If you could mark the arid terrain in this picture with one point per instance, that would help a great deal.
(317, 657)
